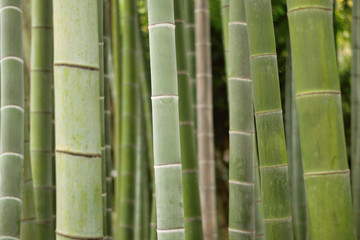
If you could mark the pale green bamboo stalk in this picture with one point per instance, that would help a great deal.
(41, 110)
(242, 130)
(192, 207)
(322, 139)
(189, 14)
(355, 100)
(78, 120)
(269, 121)
(12, 119)
(205, 128)
(28, 228)
(126, 222)
(225, 31)
(259, 221)
(167, 160)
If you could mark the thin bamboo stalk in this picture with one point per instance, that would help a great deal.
(355, 100)
(242, 130)
(205, 132)
(28, 228)
(259, 221)
(225, 31)
(168, 180)
(12, 119)
(269, 121)
(41, 108)
(128, 124)
(78, 120)
(321, 127)
(192, 207)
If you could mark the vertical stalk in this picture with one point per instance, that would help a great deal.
(322, 139)
(242, 130)
(192, 208)
(167, 160)
(259, 221)
(205, 132)
(269, 121)
(128, 124)
(225, 31)
(28, 228)
(41, 108)
(355, 100)
(78, 120)
(12, 118)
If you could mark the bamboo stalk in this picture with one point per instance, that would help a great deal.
(259, 221)
(167, 161)
(269, 121)
(225, 31)
(192, 207)
(242, 130)
(41, 116)
(205, 132)
(322, 137)
(12, 119)
(78, 120)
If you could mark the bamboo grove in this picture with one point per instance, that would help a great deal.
(113, 123)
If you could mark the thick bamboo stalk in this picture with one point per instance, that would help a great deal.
(321, 125)
(269, 121)
(192, 208)
(242, 130)
(125, 223)
(225, 31)
(12, 119)
(28, 228)
(355, 100)
(189, 16)
(78, 128)
(205, 128)
(167, 160)
(41, 110)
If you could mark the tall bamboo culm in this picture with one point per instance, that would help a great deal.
(269, 121)
(28, 228)
(225, 31)
(355, 101)
(189, 16)
(322, 137)
(41, 110)
(192, 207)
(12, 119)
(167, 161)
(78, 140)
(259, 221)
(205, 128)
(242, 130)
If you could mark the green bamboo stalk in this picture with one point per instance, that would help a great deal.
(259, 221)
(12, 119)
(189, 15)
(322, 137)
(205, 131)
(78, 120)
(28, 228)
(192, 208)
(225, 31)
(355, 100)
(168, 179)
(242, 130)
(108, 75)
(128, 123)
(269, 121)
(41, 116)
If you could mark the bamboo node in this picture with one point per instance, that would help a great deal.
(309, 8)
(77, 154)
(240, 79)
(78, 237)
(241, 183)
(170, 165)
(275, 111)
(262, 55)
(193, 219)
(312, 93)
(164, 96)
(19, 155)
(286, 219)
(9, 237)
(241, 231)
(170, 230)
(70, 65)
(242, 133)
(165, 24)
(12, 7)
(347, 171)
(237, 23)
(27, 220)
(274, 166)
(11, 198)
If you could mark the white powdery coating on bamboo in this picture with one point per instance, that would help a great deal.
(241, 231)
(172, 165)
(11, 198)
(237, 23)
(13, 107)
(12, 58)
(240, 79)
(170, 230)
(11, 7)
(241, 183)
(241, 133)
(12, 154)
(165, 97)
(157, 25)
(263, 55)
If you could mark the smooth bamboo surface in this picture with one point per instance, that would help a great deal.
(259, 220)
(269, 121)
(165, 108)
(78, 120)
(242, 129)
(41, 111)
(318, 102)
(12, 119)
(205, 125)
